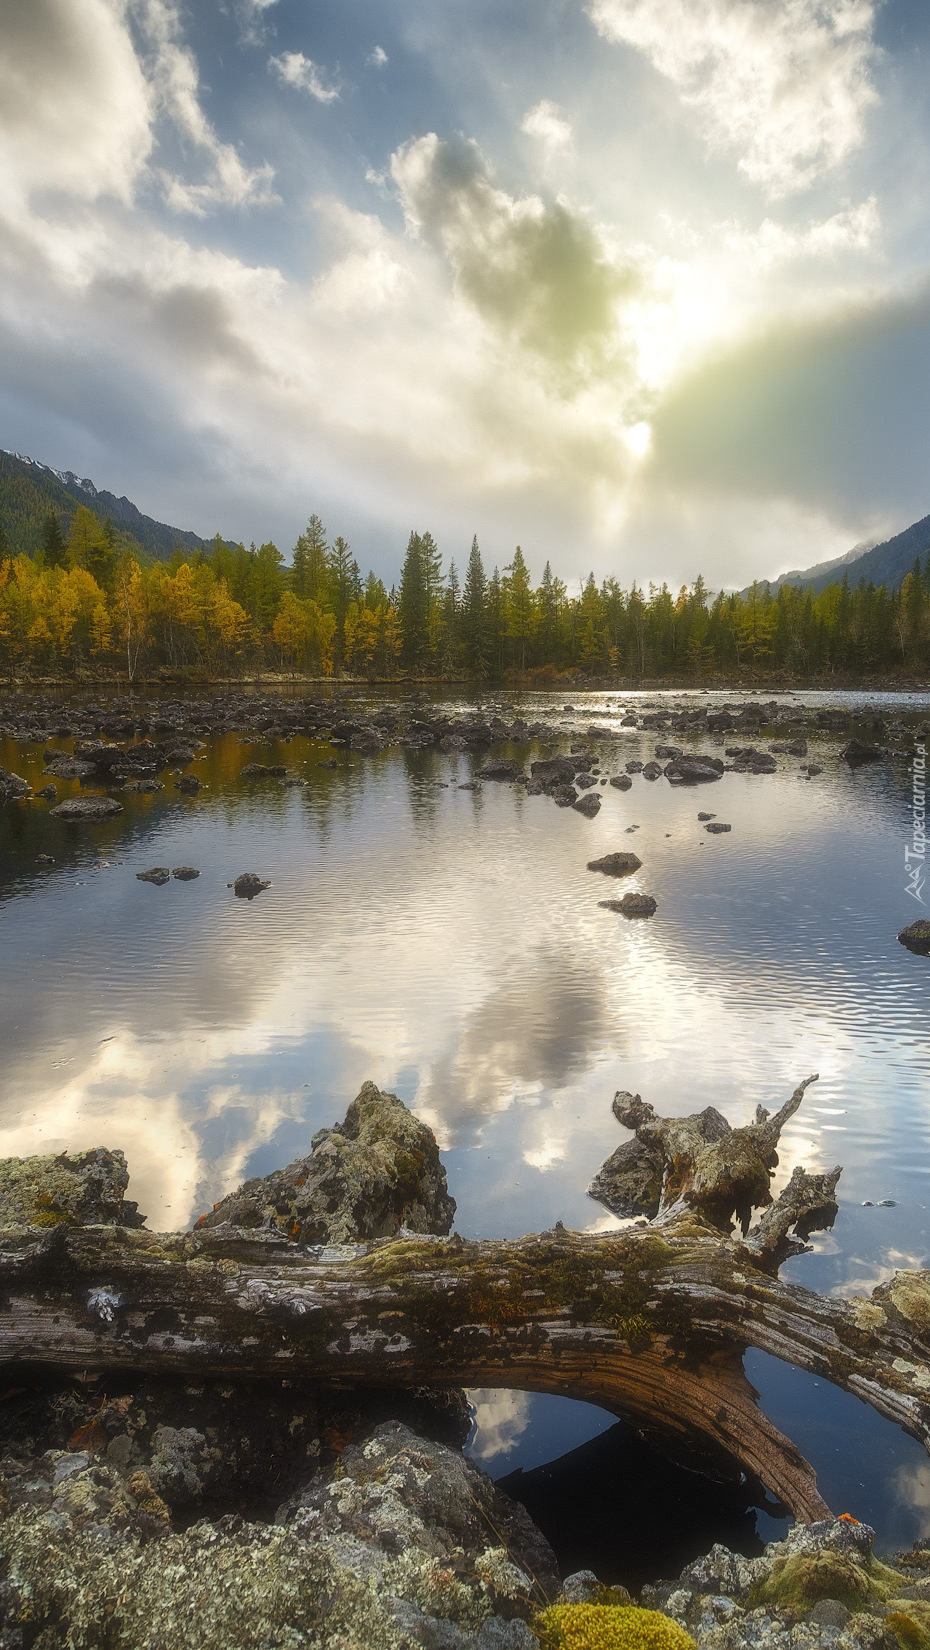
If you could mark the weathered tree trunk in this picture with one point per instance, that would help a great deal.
(650, 1322)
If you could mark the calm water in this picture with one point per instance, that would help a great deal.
(448, 944)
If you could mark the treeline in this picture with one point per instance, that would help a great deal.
(90, 600)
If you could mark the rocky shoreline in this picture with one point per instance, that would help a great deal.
(158, 1512)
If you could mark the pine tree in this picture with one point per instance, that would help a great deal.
(309, 569)
(413, 606)
(519, 606)
(53, 541)
(474, 614)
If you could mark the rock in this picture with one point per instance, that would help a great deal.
(159, 874)
(84, 1190)
(48, 792)
(505, 768)
(143, 787)
(634, 767)
(652, 770)
(616, 865)
(327, 762)
(665, 752)
(857, 752)
(752, 761)
(621, 781)
(78, 808)
(185, 873)
(588, 805)
(261, 770)
(917, 937)
(12, 786)
(45, 859)
(68, 767)
(631, 905)
(694, 770)
(565, 796)
(584, 781)
(706, 816)
(813, 770)
(366, 1177)
(294, 783)
(554, 770)
(248, 885)
(829, 1612)
(188, 784)
(717, 829)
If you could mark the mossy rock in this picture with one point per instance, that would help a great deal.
(608, 1627)
(798, 1583)
(909, 1621)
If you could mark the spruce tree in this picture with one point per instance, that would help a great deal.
(414, 606)
(53, 541)
(309, 569)
(474, 614)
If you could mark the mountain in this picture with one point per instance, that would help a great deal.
(885, 563)
(30, 490)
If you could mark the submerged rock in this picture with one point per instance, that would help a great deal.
(159, 874)
(185, 873)
(12, 786)
(78, 808)
(916, 936)
(504, 768)
(694, 770)
(616, 865)
(366, 1177)
(857, 752)
(588, 805)
(631, 905)
(717, 828)
(248, 885)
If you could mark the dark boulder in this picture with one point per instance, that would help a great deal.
(693, 770)
(589, 805)
(159, 875)
(261, 770)
(652, 770)
(621, 781)
(504, 768)
(917, 937)
(78, 808)
(631, 905)
(857, 752)
(717, 829)
(188, 784)
(248, 885)
(185, 873)
(616, 865)
(12, 786)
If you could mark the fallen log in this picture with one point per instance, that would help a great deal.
(650, 1321)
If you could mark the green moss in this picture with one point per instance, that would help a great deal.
(608, 1627)
(800, 1582)
(911, 1633)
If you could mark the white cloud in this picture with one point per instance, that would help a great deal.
(783, 83)
(174, 80)
(74, 106)
(501, 1419)
(293, 69)
(546, 123)
(377, 58)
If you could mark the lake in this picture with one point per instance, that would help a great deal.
(448, 944)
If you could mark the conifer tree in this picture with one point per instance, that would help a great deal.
(474, 614)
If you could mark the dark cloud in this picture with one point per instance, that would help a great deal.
(536, 269)
(832, 412)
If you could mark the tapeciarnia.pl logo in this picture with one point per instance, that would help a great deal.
(915, 855)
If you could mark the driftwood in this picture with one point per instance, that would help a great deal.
(651, 1321)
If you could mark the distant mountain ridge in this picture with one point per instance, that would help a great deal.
(885, 563)
(30, 489)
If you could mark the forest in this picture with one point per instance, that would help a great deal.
(89, 600)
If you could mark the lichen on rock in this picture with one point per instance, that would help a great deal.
(367, 1177)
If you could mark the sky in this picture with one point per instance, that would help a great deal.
(641, 285)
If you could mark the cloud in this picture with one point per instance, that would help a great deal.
(536, 270)
(828, 409)
(75, 111)
(377, 57)
(293, 69)
(785, 84)
(545, 122)
(174, 83)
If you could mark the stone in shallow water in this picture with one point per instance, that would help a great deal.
(79, 808)
(616, 865)
(185, 873)
(717, 829)
(631, 905)
(917, 937)
(159, 875)
(248, 885)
